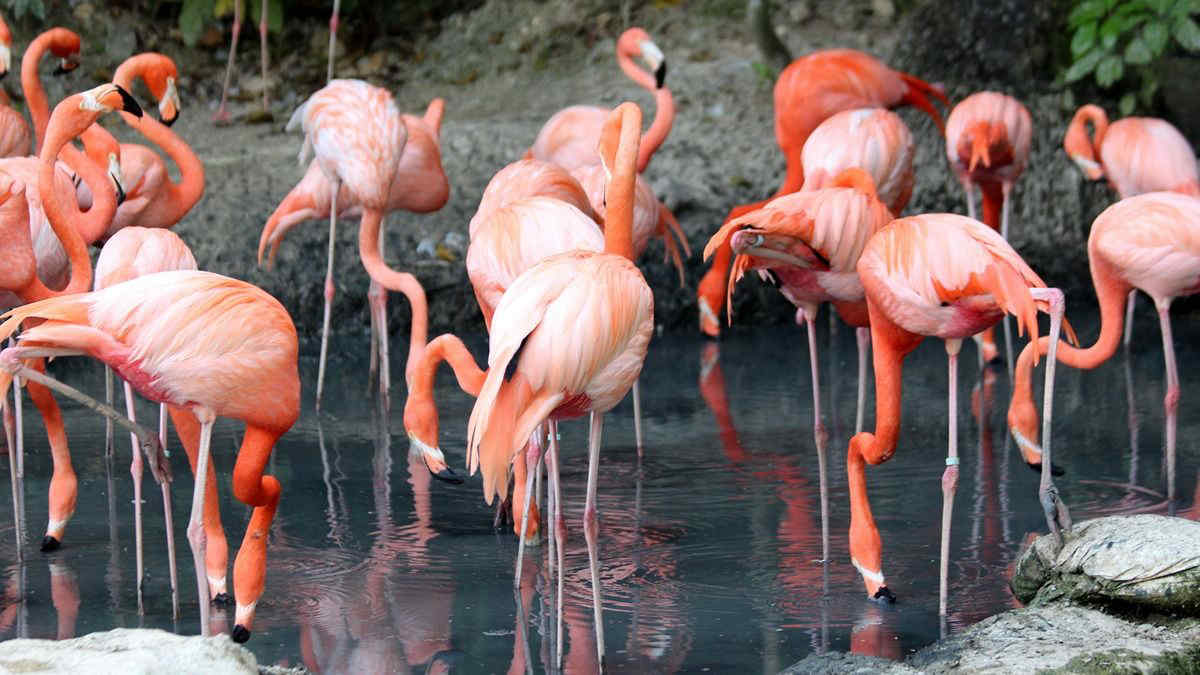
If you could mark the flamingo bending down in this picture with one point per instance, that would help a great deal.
(987, 142)
(209, 347)
(1137, 155)
(808, 91)
(53, 201)
(808, 243)
(420, 185)
(569, 137)
(130, 253)
(939, 275)
(1149, 242)
(222, 115)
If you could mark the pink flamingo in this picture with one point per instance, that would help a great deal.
(808, 243)
(569, 137)
(222, 114)
(875, 140)
(206, 345)
(1148, 242)
(419, 185)
(987, 142)
(808, 91)
(130, 253)
(15, 137)
(1137, 155)
(939, 275)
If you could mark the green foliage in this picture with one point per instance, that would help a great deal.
(18, 9)
(1122, 41)
(196, 14)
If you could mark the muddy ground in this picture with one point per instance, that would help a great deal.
(506, 66)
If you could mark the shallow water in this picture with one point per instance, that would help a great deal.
(709, 544)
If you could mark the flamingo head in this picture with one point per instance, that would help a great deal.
(1079, 146)
(65, 44)
(160, 76)
(636, 42)
(421, 422)
(5, 48)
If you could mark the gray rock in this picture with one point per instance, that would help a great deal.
(128, 651)
(1148, 561)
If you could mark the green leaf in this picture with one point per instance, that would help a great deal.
(1186, 33)
(1137, 52)
(1149, 89)
(1083, 39)
(1127, 105)
(1155, 34)
(1159, 6)
(1089, 10)
(192, 19)
(1109, 71)
(1084, 65)
(274, 14)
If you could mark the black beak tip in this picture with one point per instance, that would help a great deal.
(885, 595)
(660, 75)
(3, 75)
(120, 191)
(60, 70)
(50, 544)
(128, 103)
(447, 475)
(240, 634)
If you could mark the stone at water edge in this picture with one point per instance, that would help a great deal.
(1146, 560)
(129, 651)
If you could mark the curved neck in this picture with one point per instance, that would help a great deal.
(62, 210)
(619, 194)
(182, 196)
(1099, 120)
(368, 250)
(31, 84)
(664, 117)
(448, 348)
(632, 71)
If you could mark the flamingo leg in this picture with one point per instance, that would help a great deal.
(187, 427)
(1005, 207)
(262, 34)
(863, 336)
(1057, 516)
(377, 298)
(222, 114)
(135, 470)
(168, 519)
(1171, 400)
(333, 26)
(808, 315)
(108, 398)
(950, 475)
(333, 212)
(637, 416)
(559, 536)
(969, 192)
(195, 532)
(14, 482)
(1129, 303)
(591, 527)
(533, 459)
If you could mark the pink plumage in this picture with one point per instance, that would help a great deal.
(873, 139)
(137, 251)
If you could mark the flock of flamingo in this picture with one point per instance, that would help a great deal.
(553, 246)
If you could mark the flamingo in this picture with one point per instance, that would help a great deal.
(875, 140)
(65, 45)
(130, 253)
(333, 26)
(419, 185)
(1137, 155)
(808, 91)
(55, 203)
(808, 243)
(222, 114)
(208, 346)
(569, 137)
(987, 142)
(947, 276)
(1149, 242)
(15, 137)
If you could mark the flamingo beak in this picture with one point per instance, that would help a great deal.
(1090, 168)
(654, 58)
(67, 64)
(5, 59)
(114, 172)
(435, 461)
(168, 107)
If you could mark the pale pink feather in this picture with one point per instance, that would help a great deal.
(875, 140)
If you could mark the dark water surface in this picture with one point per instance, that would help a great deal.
(709, 545)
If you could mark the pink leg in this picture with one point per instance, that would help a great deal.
(559, 536)
(1129, 316)
(1171, 400)
(135, 470)
(377, 298)
(809, 315)
(337, 186)
(222, 113)
(591, 528)
(15, 483)
(637, 417)
(1005, 207)
(863, 335)
(950, 475)
(1057, 516)
(165, 487)
(533, 459)
(333, 26)
(262, 34)
(195, 530)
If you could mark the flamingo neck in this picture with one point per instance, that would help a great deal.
(182, 196)
(368, 251)
(664, 117)
(619, 194)
(62, 210)
(632, 71)
(1099, 119)
(31, 85)
(793, 179)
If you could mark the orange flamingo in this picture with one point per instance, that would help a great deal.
(206, 345)
(222, 114)
(1137, 155)
(939, 275)
(987, 142)
(130, 253)
(1149, 242)
(808, 91)
(569, 137)
(55, 204)
(419, 185)
(15, 137)
(65, 45)
(808, 243)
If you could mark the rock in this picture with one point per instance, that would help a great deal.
(129, 651)
(1038, 639)
(1148, 561)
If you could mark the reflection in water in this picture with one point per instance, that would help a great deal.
(711, 541)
